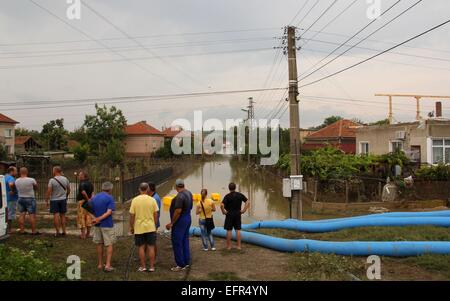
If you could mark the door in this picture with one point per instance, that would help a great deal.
(3, 211)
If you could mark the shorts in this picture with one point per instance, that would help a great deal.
(106, 236)
(12, 206)
(233, 221)
(148, 238)
(58, 206)
(27, 205)
(84, 218)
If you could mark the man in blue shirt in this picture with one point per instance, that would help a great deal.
(11, 195)
(103, 206)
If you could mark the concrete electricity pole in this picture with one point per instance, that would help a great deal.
(294, 118)
(250, 117)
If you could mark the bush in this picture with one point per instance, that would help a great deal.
(439, 172)
(81, 153)
(18, 265)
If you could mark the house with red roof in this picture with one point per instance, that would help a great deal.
(341, 135)
(7, 133)
(142, 139)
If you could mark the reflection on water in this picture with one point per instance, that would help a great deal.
(264, 192)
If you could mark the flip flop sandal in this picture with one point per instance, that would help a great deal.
(142, 270)
(109, 270)
(151, 270)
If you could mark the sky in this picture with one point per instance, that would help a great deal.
(161, 47)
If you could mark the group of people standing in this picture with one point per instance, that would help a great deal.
(144, 222)
(97, 210)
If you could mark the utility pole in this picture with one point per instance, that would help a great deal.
(250, 117)
(294, 118)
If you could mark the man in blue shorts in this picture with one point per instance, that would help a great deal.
(11, 195)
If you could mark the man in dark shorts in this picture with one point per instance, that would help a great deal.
(57, 192)
(143, 216)
(180, 217)
(232, 209)
(85, 193)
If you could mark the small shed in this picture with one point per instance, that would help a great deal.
(26, 144)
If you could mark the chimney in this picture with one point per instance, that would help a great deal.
(438, 109)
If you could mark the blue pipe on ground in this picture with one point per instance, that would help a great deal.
(443, 213)
(354, 248)
(331, 226)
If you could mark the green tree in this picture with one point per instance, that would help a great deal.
(328, 121)
(3, 152)
(114, 153)
(81, 153)
(380, 122)
(54, 134)
(79, 135)
(105, 134)
(166, 151)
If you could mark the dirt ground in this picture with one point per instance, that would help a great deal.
(211, 265)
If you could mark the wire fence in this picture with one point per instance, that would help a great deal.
(346, 191)
(123, 190)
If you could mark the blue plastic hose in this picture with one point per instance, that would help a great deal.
(354, 248)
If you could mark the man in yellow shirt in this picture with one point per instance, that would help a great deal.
(143, 214)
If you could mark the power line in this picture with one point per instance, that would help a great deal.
(378, 54)
(331, 21)
(299, 12)
(358, 43)
(378, 41)
(103, 44)
(392, 52)
(138, 37)
(308, 12)
(385, 61)
(101, 16)
(34, 104)
(62, 64)
(357, 33)
(65, 52)
(320, 16)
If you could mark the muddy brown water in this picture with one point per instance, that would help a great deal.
(263, 191)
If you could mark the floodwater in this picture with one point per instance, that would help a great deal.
(263, 191)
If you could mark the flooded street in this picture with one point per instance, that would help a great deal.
(264, 192)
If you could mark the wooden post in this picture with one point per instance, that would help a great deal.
(346, 191)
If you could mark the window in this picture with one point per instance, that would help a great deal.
(441, 151)
(364, 148)
(8, 149)
(396, 146)
(8, 133)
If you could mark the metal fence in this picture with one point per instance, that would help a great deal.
(130, 187)
(43, 184)
(346, 191)
(122, 191)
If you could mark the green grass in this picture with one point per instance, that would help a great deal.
(413, 233)
(315, 267)
(429, 262)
